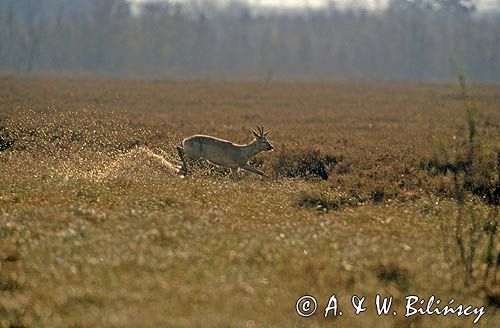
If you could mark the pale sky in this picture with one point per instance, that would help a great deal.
(293, 3)
(314, 3)
(482, 4)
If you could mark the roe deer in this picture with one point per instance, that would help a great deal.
(223, 152)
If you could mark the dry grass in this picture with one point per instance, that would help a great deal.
(96, 232)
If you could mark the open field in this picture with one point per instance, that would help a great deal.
(96, 232)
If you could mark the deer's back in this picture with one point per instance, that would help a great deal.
(215, 150)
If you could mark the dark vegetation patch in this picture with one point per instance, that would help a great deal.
(377, 195)
(6, 140)
(8, 284)
(478, 175)
(329, 200)
(307, 164)
(493, 299)
(393, 273)
(334, 199)
(13, 257)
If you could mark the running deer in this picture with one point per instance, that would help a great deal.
(225, 153)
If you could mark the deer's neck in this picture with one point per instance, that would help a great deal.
(250, 149)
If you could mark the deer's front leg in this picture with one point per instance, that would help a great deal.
(184, 169)
(254, 170)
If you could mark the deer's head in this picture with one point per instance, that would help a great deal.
(261, 139)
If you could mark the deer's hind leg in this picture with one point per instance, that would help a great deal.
(254, 170)
(184, 168)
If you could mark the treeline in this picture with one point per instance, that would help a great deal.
(409, 40)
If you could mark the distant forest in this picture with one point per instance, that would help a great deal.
(407, 40)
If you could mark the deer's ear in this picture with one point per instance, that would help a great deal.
(255, 133)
